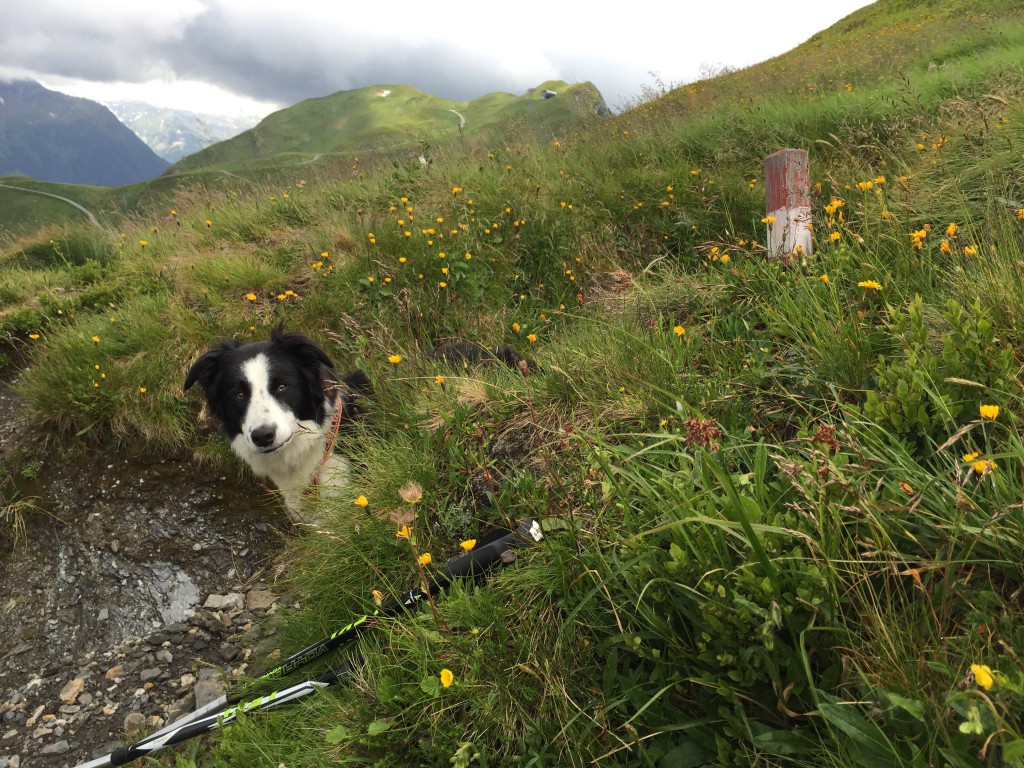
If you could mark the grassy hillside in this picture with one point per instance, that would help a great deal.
(318, 137)
(385, 117)
(782, 499)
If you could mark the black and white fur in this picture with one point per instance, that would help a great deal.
(275, 401)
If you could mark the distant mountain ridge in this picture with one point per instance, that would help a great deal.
(385, 117)
(174, 133)
(54, 137)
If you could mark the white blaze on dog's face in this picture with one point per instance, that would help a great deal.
(268, 423)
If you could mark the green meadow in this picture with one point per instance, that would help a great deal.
(782, 498)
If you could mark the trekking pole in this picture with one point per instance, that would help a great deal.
(487, 552)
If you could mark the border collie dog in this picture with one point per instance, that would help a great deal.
(279, 406)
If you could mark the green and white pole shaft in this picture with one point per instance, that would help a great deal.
(486, 553)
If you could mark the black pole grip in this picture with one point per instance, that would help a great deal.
(485, 553)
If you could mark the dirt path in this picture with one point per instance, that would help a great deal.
(138, 581)
(88, 214)
(462, 120)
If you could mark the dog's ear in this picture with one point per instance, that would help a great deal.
(204, 370)
(303, 349)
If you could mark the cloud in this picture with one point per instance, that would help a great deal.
(284, 53)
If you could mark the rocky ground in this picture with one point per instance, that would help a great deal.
(139, 583)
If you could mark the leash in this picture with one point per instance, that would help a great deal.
(314, 480)
(490, 550)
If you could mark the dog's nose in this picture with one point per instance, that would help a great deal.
(263, 436)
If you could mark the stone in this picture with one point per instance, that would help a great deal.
(34, 717)
(57, 748)
(134, 722)
(71, 690)
(210, 689)
(114, 672)
(178, 709)
(230, 601)
(150, 674)
(260, 599)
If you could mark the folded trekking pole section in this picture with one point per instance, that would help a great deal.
(489, 550)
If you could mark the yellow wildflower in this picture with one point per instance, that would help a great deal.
(983, 466)
(679, 331)
(361, 501)
(872, 285)
(982, 676)
(468, 544)
(394, 359)
(403, 532)
(447, 678)
(989, 412)
(425, 558)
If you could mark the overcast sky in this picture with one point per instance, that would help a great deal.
(254, 56)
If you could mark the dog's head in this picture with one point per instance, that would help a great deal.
(264, 394)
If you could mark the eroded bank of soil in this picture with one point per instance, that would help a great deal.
(138, 581)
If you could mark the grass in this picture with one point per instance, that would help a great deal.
(781, 528)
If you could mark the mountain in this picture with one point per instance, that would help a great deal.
(386, 117)
(173, 133)
(54, 137)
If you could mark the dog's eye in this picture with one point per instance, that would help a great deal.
(240, 396)
(280, 388)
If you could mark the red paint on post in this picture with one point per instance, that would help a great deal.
(788, 203)
(787, 180)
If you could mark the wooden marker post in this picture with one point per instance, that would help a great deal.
(787, 182)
